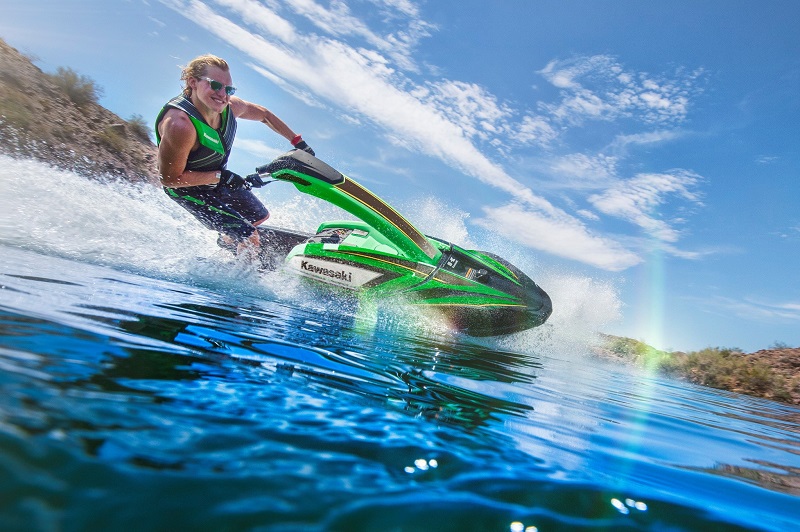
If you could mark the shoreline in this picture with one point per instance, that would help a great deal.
(772, 373)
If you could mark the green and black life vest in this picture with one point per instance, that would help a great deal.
(215, 145)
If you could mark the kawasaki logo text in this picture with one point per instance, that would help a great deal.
(341, 275)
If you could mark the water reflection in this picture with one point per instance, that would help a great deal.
(776, 477)
(256, 414)
(432, 379)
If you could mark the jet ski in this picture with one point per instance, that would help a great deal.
(382, 255)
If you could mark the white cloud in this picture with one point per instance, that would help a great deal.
(259, 148)
(581, 171)
(559, 234)
(157, 22)
(471, 107)
(599, 88)
(535, 130)
(563, 74)
(267, 21)
(791, 232)
(637, 200)
(621, 142)
(336, 20)
(754, 309)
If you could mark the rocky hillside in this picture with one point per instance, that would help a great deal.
(784, 362)
(41, 119)
(769, 373)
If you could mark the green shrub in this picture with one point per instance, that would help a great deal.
(140, 128)
(759, 378)
(727, 369)
(16, 116)
(636, 351)
(78, 88)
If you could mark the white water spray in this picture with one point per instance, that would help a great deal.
(582, 306)
(137, 228)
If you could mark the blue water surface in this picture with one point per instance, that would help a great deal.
(136, 403)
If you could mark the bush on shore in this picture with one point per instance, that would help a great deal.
(635, 351)
(140, 128)
(726, 369)
(79, 89)
(716, 367)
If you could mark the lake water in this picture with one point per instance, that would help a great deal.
(148, 381)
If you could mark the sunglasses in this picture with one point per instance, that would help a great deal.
(216, 85)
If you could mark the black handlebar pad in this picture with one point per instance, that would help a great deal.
(300, 161)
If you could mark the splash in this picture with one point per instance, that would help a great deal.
(52, 211)
(582, 305)
(137, 228)
(131, 227)
(438, 218)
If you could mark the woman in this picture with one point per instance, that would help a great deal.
(195, 133)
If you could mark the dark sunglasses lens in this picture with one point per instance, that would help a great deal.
(216, 85)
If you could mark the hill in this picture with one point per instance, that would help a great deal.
(56, 118)
(769, 373)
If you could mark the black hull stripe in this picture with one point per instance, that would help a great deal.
(364, 196)
(411, 266)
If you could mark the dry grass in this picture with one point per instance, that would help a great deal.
(79, 89)
(140, 128)
(728, 370)
(112, 139)
(716, 367)
(15, 108)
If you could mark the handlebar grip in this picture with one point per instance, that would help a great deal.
(263, 169)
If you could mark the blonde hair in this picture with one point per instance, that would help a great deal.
(197, 68)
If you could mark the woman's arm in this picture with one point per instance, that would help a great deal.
(251, 111)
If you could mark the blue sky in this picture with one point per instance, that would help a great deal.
(652, 145)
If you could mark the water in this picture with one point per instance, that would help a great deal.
(151, 382)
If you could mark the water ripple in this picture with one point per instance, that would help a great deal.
(126, 398)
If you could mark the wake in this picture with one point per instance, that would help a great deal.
(136, 228)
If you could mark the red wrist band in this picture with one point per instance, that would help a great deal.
(297, 139)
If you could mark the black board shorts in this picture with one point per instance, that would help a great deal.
(230, 213)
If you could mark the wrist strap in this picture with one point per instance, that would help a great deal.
(297, 140)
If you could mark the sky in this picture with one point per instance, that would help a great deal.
(651, 145)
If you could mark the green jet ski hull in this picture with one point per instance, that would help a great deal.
(382, 255)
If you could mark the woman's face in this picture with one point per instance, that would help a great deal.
(215, 100)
